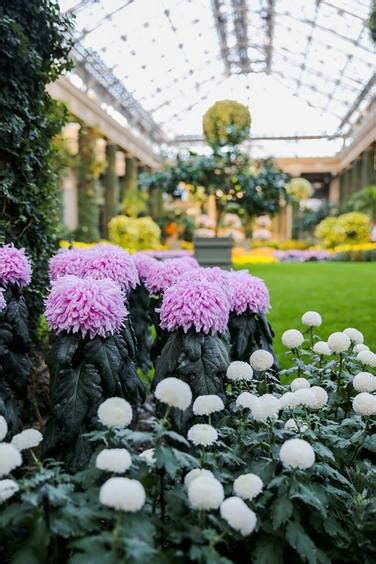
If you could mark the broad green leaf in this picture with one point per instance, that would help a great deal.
(282, 509)
(268, 550)
(299, 540)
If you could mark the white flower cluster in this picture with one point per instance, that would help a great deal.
(7, 489)
(29, 438)
(248, 486)
(292, 339)
(304, 395)
(297, 453)
(148, 456)
(238, 515)
(116, 460)
(115, 412)
(197, 473)
(3, 428)
(202, 434)
(364, 382)
(205, 492)
(208, 404)
(174, 393)
(299, 384)
(123, 494)
(311, 319)
(365, 404)
(10, 458)
(339, 342)
(239, 370)
(266, 407)
(246, 400)
(322, 348)
(354, 335)
(261, 360)
(367, 357)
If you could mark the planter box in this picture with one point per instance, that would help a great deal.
(214, 251)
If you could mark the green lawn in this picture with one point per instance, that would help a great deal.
(343, 293)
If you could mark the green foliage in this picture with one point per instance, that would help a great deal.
(134, 234)
(34, 47)
(226, 122)
(363, 201)
(352, 227)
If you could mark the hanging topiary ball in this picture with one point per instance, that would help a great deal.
(227, 122)
(299, 188)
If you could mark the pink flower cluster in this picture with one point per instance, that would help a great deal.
(165, 274)
(3, 303)
(213, 274)
(15, 267)
(247, 292)
(144, 264)
(100, 262)
(91, 307)
(197, 304)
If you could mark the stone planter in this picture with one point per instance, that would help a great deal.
(214, 251)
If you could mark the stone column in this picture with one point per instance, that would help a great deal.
(70, 204)
(111, 185)
(87, 185)
(334, 190)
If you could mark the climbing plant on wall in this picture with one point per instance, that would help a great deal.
(34, 50)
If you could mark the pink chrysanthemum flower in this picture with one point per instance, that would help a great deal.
(197, 304)
(214, 274)
(165, 274)
(15, 266)
(109, 261)
(190, 260)
(247, 292)
(92, 307)
(144, 264)
(3, 303)
(65, 262)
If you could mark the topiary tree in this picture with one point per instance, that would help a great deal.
(34, 47)
(364, 201)
(227, 122)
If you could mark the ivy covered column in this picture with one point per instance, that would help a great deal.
(111, 185)
(130, 179)
(87, 184)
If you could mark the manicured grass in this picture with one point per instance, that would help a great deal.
(343, 293)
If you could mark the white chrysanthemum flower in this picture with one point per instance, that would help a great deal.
(355, 335)
(311, 319)
(123, 493)
(322, 348)
(292, 338)
(289, 401)
(306, 398)
(197, 473)
(359, 348)
(29, 438)
(205, 493)
(291, 425)
(248, 486)
(116, 460)
(10, 458)
(367, 357)
(299, 384)
(364, 382)
(115, 412)
(247, 400)
(7, 489)
(205, 405)
(339, 342)
(174, 392)
(148, 456)
(297, 453)
(3, 428)
(202, 434)
(364, 404)
(266, 407)
(321, 396)
(238, 515)
(239, 370)
(261, 360)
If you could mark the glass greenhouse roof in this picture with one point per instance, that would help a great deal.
(304, 67)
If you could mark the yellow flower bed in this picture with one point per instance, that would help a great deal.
(240, 257)
(357, 247)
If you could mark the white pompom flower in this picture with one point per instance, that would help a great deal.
(364, 404)
(364, 382)
(322, 348)
(291, 425)
(202, 434)
(3, 428)
(239, 370)
(248, 486)
(238, 515)
(10, 458)
(29, 438)
(355, 335)
(148, 456)
(359, 348)
(266, 407)
(116, 460)
(292, 338)
(123, 494)
(306, 398)
(205, 493)
(297, 453)
(367, 357)
(197, 473)
(115, 412)
(311, 319)
(299, 384)
(174, 393)
(208, 404)
(7, 489)
(339, 342)
(321, 396)
(246, 400)
(261, 360)
(288, 401)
